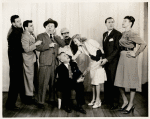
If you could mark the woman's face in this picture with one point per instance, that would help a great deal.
(77, 42)
(126, 23)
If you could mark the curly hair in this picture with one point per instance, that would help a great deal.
(131, 19)
(78, 36)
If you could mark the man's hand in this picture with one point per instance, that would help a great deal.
(52, 45)
(38, 43)
(81, 79)
(104, 61)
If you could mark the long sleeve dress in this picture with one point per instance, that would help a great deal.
(127, 70)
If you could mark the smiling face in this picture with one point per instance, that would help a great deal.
(126, 23)
(17, 23)
(110, 24)
(76, 42)
(50, 28)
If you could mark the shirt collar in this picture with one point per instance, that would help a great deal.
(49, 35)
(109, 32)
(66, 64)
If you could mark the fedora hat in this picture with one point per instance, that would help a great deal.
(50, 21)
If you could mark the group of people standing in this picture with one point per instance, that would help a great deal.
(62, 65)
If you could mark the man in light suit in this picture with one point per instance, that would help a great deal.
(47, 60)
(111, 49)
(29, 59)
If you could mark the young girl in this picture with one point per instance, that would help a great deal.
(92, 49)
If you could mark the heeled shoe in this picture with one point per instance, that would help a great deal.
(91, 103)
(128, 111)
(121, 109)
(96, 105)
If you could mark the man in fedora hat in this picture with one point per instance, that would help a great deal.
(47, 60)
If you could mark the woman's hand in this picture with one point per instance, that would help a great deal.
(130, 55)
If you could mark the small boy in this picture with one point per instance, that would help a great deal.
(68, 73)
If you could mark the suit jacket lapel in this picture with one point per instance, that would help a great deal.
(31, 39)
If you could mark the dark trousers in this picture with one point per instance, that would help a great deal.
(111, 92)
(79, 89)
(35, 81)
(16, 85)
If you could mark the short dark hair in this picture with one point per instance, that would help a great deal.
(26, 23)
(108, 18)
(12, 19)
(131, 19)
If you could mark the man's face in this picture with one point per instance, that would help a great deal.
(30, 27)
(17, 23)
(50, 28)
(65, 35)
(110, 24)
(64, 58)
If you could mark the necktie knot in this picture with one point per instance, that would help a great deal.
(50, 35)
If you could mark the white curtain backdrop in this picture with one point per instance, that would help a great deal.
(85, 18)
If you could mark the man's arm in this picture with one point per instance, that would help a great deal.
(26, 46)
(44, 46)
(60, 42)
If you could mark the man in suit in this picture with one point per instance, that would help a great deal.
(47, 59)
(29, 59)
(111, 49)
(15, 50)
(68, 74)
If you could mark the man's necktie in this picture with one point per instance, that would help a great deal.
(106, 36)
(51, 38)
(70, 72)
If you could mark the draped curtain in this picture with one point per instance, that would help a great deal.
(85, 18)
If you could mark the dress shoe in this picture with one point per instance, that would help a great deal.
(96, 104)
(41, 106)
(91, 103)
(12, 108)
(68, 109)
(121, 109)
(128, 111)
(80, 109)
(104, 102)
(114, 107)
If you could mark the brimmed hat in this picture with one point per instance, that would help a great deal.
(64, 30)
(50, 21)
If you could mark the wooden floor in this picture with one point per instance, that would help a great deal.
(141, 109)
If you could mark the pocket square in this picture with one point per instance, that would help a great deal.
(111, 39)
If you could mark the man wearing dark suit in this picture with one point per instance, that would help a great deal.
(68, 74)
(15, 50)
(111, 49)
(29, 60)
(47, 60)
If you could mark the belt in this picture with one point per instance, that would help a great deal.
(126, 49)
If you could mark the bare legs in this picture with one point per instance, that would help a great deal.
(125, 100)
(98, 93)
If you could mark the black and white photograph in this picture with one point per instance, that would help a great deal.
(74, 58)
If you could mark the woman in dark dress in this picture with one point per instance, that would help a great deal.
(127, 70)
